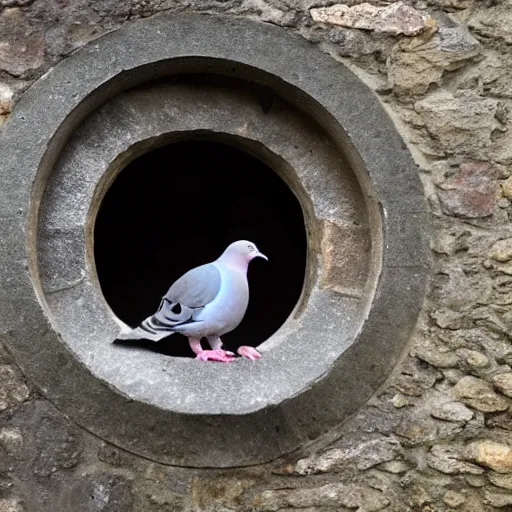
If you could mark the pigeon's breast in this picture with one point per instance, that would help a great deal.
(228, 308)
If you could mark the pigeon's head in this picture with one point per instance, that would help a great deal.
(242, 252)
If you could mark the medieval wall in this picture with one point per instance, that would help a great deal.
(438, 434)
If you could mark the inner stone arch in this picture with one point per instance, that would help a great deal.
(337, 285)
(179, 206)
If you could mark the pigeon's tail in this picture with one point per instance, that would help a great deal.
(171, 317)
(149, 329)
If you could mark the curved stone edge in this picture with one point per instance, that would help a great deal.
(128, 56)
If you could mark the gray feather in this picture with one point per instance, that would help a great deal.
(196, 288)
(184, 300)
(170, 313)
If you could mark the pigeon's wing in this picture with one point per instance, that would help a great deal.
(196, 288)
(185, 298)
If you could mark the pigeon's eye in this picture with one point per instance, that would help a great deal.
(251, 248)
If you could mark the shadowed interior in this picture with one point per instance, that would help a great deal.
(178, 207)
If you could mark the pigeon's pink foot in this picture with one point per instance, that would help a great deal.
(216, 355)
(249, 353)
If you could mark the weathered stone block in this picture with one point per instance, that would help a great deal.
(493, 22)
(479, 394)
(506, 188)
(460, 124)
(452, 411)
(365, 455)
(501, 480)
(447, 460)
(417, 64)
(497, 499)
(344, 270)
(12, 441)
(23, 46)
(501, 251)
(99, 492)
(454, 499)
(6, 99)
(471, 193)
(503, 382)
(493, 455)
(329, 495)
(397, 18)
(13, 389)
(11, 505)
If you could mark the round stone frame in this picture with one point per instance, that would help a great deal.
(336, 294)
(49, 114)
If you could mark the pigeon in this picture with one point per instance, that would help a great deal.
(206, 302)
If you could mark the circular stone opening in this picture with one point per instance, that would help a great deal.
(333, 145)
(178, 207)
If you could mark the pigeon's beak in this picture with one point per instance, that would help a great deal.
(260, 255)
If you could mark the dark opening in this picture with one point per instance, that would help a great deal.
(180, 206)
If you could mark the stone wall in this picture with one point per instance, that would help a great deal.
(438, 435)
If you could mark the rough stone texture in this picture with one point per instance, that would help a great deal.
(501, 480)
(452, 411)
(456, 116)
(10, 505)
(6, 99)
(365, 456)
(329, 496)
(99, 493)
(447, 460)
(479, 394)
(12, 441)
(13, 390)
(502, 250)
(344, 270)
(506, 188)
(454, 499)
(459, 125)
(22, 47)
(471, 193)
(397, 18)
(503, 382)
(416, 64)
(493, 22)
(498, 500)
(496, 456)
